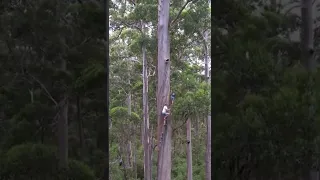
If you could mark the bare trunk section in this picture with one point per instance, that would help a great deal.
(135, 156)
(63, 135)
(307, 35)
(142, 128)
(146, 133)
(129, 102)
(129, 151)
(310, 65)
(189, 150)
(80, 126)
(63, 125)
(128, 145)
(163, 90)
(151, 152)
(208, 148)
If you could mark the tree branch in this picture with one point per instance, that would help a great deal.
(45, 89)
(296, 6)
(179, 13)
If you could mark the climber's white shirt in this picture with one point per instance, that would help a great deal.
(164, 110)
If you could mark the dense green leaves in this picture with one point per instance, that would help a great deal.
(51, 50)
(260, 96)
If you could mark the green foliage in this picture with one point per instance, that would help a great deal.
(79, 171)
(118, 112)
(38, 161)
(29, 161)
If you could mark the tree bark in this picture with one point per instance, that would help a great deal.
(189, 150)
(163, 90)
(310, 65)
(128, 161)
(151, 152)
(63, 125)
(129, 151)
(208, 148)
(80, 126)
(146, 135)
(135, 155)
(307, 35)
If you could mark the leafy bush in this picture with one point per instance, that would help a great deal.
(79, 171)
(38, 162)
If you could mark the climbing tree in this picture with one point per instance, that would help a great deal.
(131, 43)
(163, 92)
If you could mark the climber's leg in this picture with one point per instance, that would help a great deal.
(165, 118)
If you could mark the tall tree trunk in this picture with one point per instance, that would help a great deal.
(63, 125)
(129, 102)
(151, 152)
(309, 63)
(128, 161)
(80, 125)
(129, 154)
(208, 148)
(135, 155)
(163, 90)
(307, 35)
(189, 150)
(104, 132)
(146, 135)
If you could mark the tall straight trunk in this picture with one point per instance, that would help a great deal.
(151, 152)
(142, 130)
(146, 135)
(163, 90)
(129, 153)
(189, 150)
(105, 123)
(63, 125)
(135, 156)
(208, 143)
(307, 39)
(129, 104)
(310, 64)
(80, 125)
(63, 135)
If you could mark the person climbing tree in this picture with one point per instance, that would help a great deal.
(173, 95)
(165, 112)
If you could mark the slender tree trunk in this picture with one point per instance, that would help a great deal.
(189, 150)
(105, 122)
(146, 135)
(63, 125)
(163, 90)
(135, 155)
(151, 152)
(309, 63)
(80, 126)
(196, 132)
(129, 104)
(129, 153)
(142, 130)
(208, 148)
